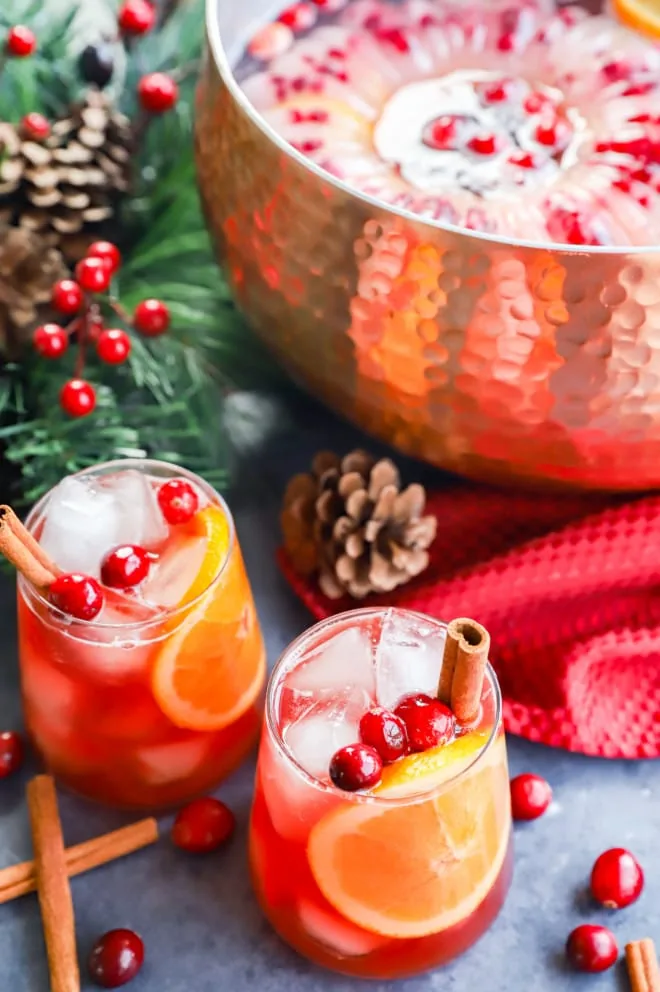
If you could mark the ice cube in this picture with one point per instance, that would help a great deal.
(325, 728)
(408, 659)
(173, 574)
(344, 661)
(329, 928)
(82, 523)
(163, 764)
(140, 519)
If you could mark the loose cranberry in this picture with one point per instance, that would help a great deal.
(591, 948)
(20, 42)
(151, 318)
(50, 340)
(67, 296)
(35, 126)
(157, 92)
(617, 878)
(107, 251)
(178, 501)
(429, 723)
(116, 958)
(530, 796)
(386, 732)
(441, 134)
(93, 274)
(552, 134)
(203, 825)
(125, 566)
(136, 17)
(77, 398)
(113, 346)
(483, 144)
(355, 767)
(524, 160)
(78, 595)
(11, 753)
(299, 17)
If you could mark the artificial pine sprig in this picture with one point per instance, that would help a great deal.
(165, 398)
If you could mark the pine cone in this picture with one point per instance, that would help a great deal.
(349, 523)
(29, 265)
(70, 182)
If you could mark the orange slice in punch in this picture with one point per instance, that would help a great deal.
(212, 666)
(644, 15)
(419, 867)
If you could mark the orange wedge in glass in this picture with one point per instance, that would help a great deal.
(211, 666)
(418, 866)
(644, 15)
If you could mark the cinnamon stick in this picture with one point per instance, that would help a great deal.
(642, 964)
(24, 551)
(19, 880)
(463, 667)
(53, 885)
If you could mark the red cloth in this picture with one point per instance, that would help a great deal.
(569, 589)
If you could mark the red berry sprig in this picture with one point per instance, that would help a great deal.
(50, 340)
(136, 17)
(151, 318)
(157, 92)
(107, 251)
(93, 274)
(113, 346)
(20, 41)
(67, 296)
(35, 126)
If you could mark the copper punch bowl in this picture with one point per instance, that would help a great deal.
(499, 359)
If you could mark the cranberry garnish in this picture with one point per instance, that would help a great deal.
(441, 134)
(394, 37)
(496, 92)
(116, 958)
(530, 796)
(356, 766)
(617, 878)
(299, 17)
(78, 595)
(591, 948)
(11, 753)
(386, 732)
(483, 144)
(552, 134)
(203, 825)
(178, 501)
(429, 722)
(524, 160)
(125, 566)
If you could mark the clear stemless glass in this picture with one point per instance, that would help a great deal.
(401, 878)
(159, 697)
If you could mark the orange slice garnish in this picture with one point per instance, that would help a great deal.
(212, 666)
(643, 15)
(419, 867)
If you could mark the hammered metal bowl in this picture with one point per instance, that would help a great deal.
(502, 361)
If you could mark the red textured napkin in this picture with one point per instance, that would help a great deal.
(569, 588)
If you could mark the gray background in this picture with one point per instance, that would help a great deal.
(202, 929)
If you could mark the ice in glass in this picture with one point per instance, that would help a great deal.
(158, 697)
(400, 877)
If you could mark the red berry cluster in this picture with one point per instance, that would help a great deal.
(157, 92)
(78, 299)
(416, 724)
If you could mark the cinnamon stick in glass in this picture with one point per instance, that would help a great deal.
(23, 551)
(463, 668)
(53, 885)
(19, 880)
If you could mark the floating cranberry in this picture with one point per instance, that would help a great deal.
(271, 41)
(591, 948)
(386, 732)
(617, 878)
(496, 92)
(151, 318)
(355, 767)
(20, 42)
(442, 133)
(67, 296)
(136, 17)
(203, 825)
(429, 723)
(35, 126)
(11, 753)
(77, 398)
(93, 274)
(78, 595)
(116, 958)
(530, 796)
(524, 160)
(178, 501)
(394, 37)
(113, 346)
(125, 566)
(552, 134)
(299, 17)
(157, 92)
(108, 252)
(483, 144)
(50, 340)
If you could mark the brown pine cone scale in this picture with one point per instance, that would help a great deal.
(350, 523)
